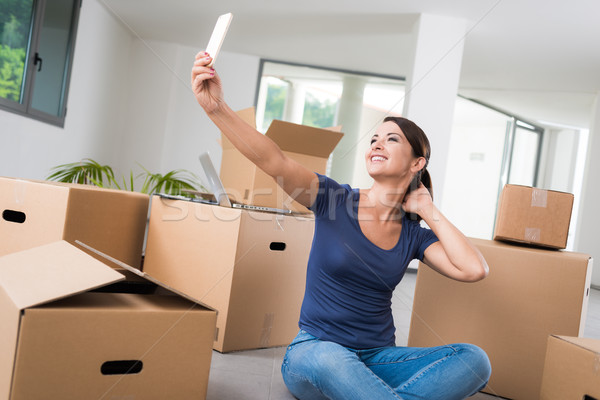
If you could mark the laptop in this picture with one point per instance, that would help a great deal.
(221, 196)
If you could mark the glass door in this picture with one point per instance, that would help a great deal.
(488, 149)
(474, 168)
(524, 156)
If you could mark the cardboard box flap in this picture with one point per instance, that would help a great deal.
(303, 139)
(592, 345)
(144, 275)
(248, 115)
(50, 272)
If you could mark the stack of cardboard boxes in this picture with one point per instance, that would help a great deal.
(84, 317)
(248, 265)
(533, 291)
(70, 328)
(80, 322)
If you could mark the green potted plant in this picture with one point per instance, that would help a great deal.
(178, 182)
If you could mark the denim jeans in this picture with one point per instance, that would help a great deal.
(313, 369)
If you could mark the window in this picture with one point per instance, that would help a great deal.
(488, 149)
(326, 97)
(525, 154)
(36, 48)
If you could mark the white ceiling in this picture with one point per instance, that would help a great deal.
(539, 59)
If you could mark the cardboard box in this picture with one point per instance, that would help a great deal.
(572, 369)
(35, 213)
(58, 340)
(529, 294)
(247, 184)
(534, 216)
(249, 266)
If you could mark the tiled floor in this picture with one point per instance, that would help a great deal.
(254, 375)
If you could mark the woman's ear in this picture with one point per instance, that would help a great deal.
(419, 164)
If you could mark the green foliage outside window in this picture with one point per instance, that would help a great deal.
(318, 113)
(276, 97)
(15, 22)
(12, 62)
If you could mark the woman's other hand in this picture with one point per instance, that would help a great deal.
(418, 201)
(206, 83)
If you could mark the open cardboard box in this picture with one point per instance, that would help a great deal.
(60, 340)
(40, 212)
(571, 369)
(529, 294)
(247, 184)
(250, 266)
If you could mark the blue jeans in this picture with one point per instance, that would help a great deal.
(313, 369)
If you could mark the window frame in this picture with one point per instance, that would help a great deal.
(24, 108)
(330, 69)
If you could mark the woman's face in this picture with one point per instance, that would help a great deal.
(390, 155)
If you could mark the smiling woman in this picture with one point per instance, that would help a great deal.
(418, 147)
(364, 240)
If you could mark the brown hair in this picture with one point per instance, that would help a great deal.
(420, 148)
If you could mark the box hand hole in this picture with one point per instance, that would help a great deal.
(586, 397)
(277, 246)
(13, 216)
(121, 367)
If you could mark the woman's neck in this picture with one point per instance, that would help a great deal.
(384, 201)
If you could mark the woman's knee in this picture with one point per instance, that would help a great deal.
(476, 359)
(316, 358)
(308, 368)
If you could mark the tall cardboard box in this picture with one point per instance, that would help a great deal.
(534, 216)
(529, 294)
(571, 369)
(58, 340)
(249, 266)
(247, 184)
(37, 212)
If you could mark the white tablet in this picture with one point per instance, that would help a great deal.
(218, 36)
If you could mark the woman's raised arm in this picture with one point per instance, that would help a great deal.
(296, 180)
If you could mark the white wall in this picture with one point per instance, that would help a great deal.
(98, 91)
(130, 102)
(189, 131)
(587, 238)
(165, 128)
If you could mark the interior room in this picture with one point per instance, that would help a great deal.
(507, 92)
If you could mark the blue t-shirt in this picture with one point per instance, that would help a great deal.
(350, 280)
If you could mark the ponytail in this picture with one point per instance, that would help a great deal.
(423, 177)
(426, 179)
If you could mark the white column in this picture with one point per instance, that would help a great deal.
(587, 239)
(432, 86)
(349, 116)
(294, 105)
(261, 104)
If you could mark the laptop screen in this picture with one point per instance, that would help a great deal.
(214, 182)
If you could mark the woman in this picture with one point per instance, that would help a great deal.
(364, 240)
